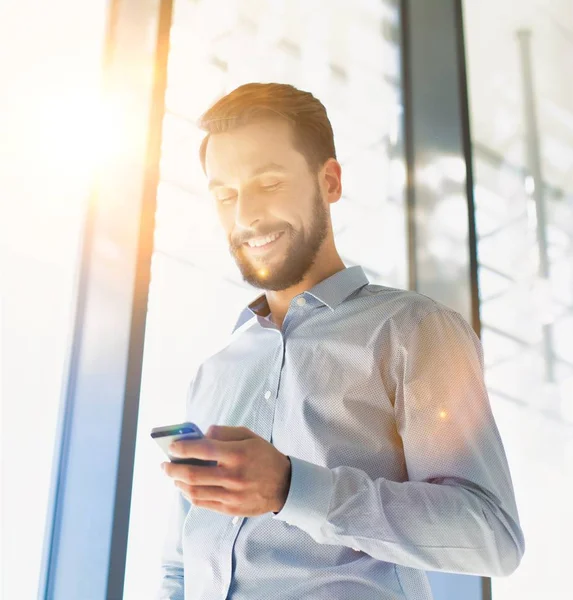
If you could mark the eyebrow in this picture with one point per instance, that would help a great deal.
(259, 171)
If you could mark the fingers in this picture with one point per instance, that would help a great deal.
(229, 434)
(226, 452)
(207, 493)
(202, 476)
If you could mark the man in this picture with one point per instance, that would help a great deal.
(354, 440)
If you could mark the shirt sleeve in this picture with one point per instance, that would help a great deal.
(456, 512)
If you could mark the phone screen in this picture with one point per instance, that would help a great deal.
(167, 434)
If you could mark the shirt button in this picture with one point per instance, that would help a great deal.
(235, 520)
(301, 301)
(356, 549)
(267, 395)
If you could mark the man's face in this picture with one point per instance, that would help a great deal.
(262, 185)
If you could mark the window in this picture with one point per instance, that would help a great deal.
(526, 312)
(49, 85)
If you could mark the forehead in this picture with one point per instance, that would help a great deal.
(238, 152)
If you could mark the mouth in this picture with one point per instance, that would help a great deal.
(256, 250)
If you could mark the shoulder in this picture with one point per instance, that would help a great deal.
(402, 312)
(404, 308)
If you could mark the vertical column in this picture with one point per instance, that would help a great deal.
(441, 226)
(533, 162)
(87, 522)
(443, 260)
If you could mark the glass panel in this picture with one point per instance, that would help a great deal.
(527, 317)
(48, 145)
(348, 57)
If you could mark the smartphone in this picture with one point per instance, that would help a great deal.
(167, 434)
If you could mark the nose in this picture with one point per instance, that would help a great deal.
(249, 209)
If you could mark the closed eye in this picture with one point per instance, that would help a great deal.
(267, 188)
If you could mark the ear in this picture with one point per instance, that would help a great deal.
(332, 180)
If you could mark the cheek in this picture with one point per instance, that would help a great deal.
(226, 225)
(288, 211)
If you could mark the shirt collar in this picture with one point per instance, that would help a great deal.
(331, 291)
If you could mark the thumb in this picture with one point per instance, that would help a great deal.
(226, 433)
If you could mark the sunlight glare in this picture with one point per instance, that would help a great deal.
(82, 131)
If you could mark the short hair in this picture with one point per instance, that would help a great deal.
(312, 134)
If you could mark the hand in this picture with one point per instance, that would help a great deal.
(252, 477)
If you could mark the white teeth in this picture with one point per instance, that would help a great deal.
(262, 241)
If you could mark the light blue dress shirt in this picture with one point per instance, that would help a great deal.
(377, 396)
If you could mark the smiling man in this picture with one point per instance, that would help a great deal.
(266, 190)
(353, 435)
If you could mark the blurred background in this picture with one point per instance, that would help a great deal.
(116, 282)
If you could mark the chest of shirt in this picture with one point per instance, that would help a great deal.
(322, 398)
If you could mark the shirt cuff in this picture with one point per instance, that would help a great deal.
(308, 497)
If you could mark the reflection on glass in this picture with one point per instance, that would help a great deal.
(527, 314)
(348, 57)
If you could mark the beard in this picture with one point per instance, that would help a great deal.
(298, 257)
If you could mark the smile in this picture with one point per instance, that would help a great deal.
(272, 240)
